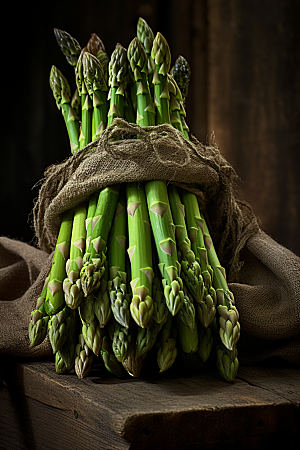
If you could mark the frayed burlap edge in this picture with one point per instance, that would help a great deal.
(161, 152)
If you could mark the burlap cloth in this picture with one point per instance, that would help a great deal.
(263, 275)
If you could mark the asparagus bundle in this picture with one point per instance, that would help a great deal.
(134, 270)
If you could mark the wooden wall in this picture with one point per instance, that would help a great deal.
(244, 56)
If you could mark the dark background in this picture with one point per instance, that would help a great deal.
(245, 88)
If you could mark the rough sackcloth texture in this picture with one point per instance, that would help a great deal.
(263, 275)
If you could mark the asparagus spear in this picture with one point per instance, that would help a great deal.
(175, 99)
(84, 358)
(72, 284)
(181, 73)
(95, 45)
(110, 361)
(94, 258)
(140, 255)
(138, 63)
(55, 300)
(101, 305)
(146, 37)
(58, 328)
(68, 45)
(89, 223)
(116, 255)
(86, 104)
(38, 324)
(227, 360)
(62, 94)
(167, 351)
(156, 191)
(93, 335)
(164, 235)
(65, 356)
(206, 306)
(160, 309)
(121, 342)
(187, 335)
(146, 338)
(93, 74)
(133, 363)
(191, 270)
(228, 314)
(118, 75)
(161, 55)
(166, 354)
(206, 341)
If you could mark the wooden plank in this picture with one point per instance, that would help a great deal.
(253, 105)
(160, 412)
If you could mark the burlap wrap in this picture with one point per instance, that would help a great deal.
(264, 276)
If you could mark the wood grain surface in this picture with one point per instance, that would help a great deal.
(41, 410)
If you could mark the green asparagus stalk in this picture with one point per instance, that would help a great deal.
(89, 222)
(187, 335)
(228, 314)
(38, 324)
(55, 300)
(133, 364)
(72, 284)
(138, 63)
(167, 351)
(191, 270)
(68, 45)
(160, 309)
(86, 103)
(146, 338)
(76, 106)
(118, 77)
(140, 255)
(101, 305)
(84, 358)
(181, 73)
(94, 258)
(121, 342)
(65, 356)
(227, 362)
(60, 367)
(161, 55)
(185, 126)
(166, 354)
(146, 37)
(206, 307)
(164, 235)
(62, 94)
(156, 191)
(206, 342)
(58, 328)
(93, 74)
(96, 47)
(175, 99)
(187, 314)
(110, 361)
(116, 254)
(93, 335)
(103, 58)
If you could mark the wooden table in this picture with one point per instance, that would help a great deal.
(42, 410)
